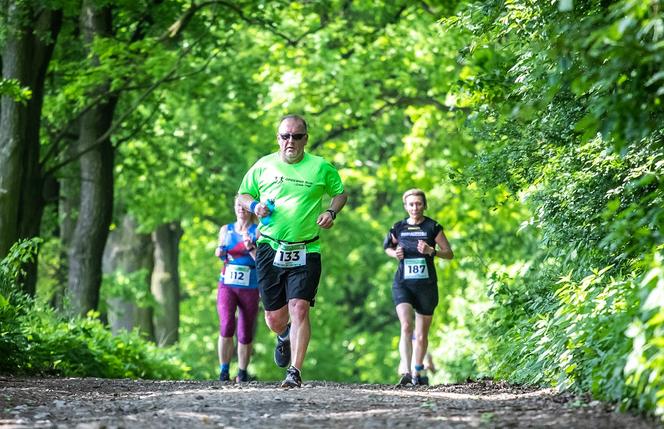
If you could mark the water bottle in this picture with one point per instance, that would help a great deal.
(270, 206)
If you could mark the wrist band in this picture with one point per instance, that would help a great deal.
(333, 213)
(252, 206)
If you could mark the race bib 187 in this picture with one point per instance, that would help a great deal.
(415, 268)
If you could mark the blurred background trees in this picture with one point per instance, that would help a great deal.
(534, 127)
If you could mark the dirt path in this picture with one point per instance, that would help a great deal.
(100, 403)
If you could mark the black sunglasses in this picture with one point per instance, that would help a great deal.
(294, 136)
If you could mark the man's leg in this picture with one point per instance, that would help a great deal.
(273, 294)
(300, 330)
(277, 320)
(302, 285)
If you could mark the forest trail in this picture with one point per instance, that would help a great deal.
(101, 403)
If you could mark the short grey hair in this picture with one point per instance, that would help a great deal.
(293, 116)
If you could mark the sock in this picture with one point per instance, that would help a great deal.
(242, 373)
(419, 368)
(224, 367)
(284, 335)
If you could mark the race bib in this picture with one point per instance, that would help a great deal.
(415, 268)
(237, 275)
(290, 255)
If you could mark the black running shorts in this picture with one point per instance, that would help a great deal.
(279, 285)
(423, 297)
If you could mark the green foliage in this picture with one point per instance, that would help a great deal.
(645, 362)
(34, 339)
(130, 287)
(11, 267)
(560, 102)
(12, 88)
(534, 127)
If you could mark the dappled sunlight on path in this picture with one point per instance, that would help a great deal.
(97, 403)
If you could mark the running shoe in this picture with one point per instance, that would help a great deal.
(420, 380)
(405, 380)
(223, 376)
(282, 352)
(293, 378)
(246, 378)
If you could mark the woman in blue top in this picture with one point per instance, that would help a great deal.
(238, 290)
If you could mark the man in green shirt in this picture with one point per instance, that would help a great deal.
(285, 190)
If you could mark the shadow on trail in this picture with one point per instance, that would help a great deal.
(100, 403)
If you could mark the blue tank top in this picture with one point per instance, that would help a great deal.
(239, 267)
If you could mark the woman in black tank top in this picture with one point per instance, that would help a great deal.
(412, 241)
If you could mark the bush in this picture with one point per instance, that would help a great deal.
(34, 339)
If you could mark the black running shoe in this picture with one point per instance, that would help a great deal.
(246, 378)
(223, 376)
(293, 378)
(282, 352)
(405, 380)
(420, 380)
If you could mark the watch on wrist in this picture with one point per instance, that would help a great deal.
(333, 213)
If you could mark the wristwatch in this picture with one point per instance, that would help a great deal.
(333, 213)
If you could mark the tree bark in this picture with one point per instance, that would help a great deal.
(13, 119)
(166, 282)
(128, 251)
(25, 58)
(34, 199)
(96, 202)
(69, 199)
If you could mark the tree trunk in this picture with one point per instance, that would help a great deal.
(128, 251)
(25, 57)
(69, 199)
(96, 204)
(166, 282)
(34, 199)
(13, 120)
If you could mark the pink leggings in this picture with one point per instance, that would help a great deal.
(246, 300)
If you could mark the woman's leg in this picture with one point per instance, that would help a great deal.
(405, 314)
(421, 343)
(247, 314)
(226, 305)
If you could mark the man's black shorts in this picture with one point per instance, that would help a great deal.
(278, 285)
(423, 297)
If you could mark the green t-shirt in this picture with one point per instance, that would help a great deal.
(297, 191)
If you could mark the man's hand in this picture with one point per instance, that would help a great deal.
(261, 210)
(325, 220)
